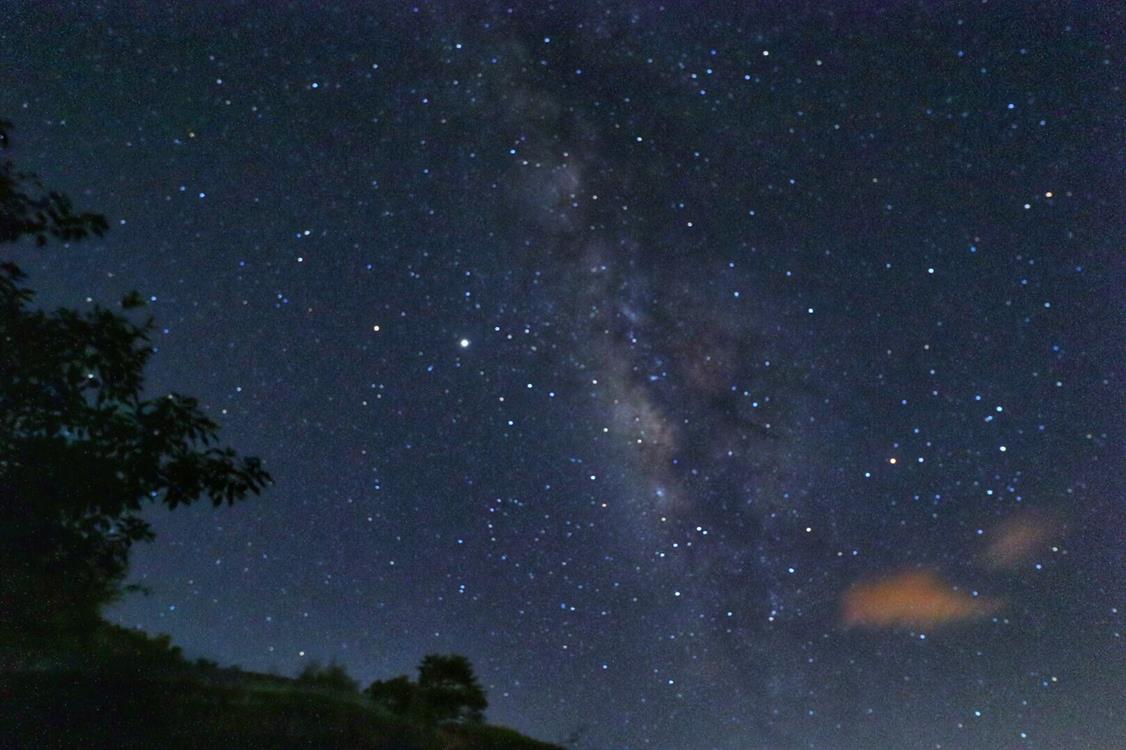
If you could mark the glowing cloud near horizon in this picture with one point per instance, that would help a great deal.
(912, 599)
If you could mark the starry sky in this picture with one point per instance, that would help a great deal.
(733, 375)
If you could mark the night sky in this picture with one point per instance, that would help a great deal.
(733, 377)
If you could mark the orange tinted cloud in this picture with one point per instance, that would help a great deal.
(911, 599)
(1017, 539)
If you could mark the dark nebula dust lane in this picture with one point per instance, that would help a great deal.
(712, 377)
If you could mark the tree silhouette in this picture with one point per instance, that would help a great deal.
(447, 691)
(396, 695)
(81, 450)
(450, 689)
(39, 214)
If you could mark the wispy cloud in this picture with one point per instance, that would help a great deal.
(1016, 540)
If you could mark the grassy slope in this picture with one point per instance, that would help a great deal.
(120, 689)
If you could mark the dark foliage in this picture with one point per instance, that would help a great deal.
(39, 213)
(332, 676)
(447, 691)
(81, 449)
(396, 696)
(450, 689)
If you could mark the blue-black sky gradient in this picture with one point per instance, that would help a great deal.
(649, 355)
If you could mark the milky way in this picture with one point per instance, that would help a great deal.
(744, 378)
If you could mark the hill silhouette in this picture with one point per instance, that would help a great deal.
(113, 687)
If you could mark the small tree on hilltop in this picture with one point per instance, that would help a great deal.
(450, 690)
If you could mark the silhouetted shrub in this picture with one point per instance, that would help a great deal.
(396, 695)
(331, 675)
(447, 691)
